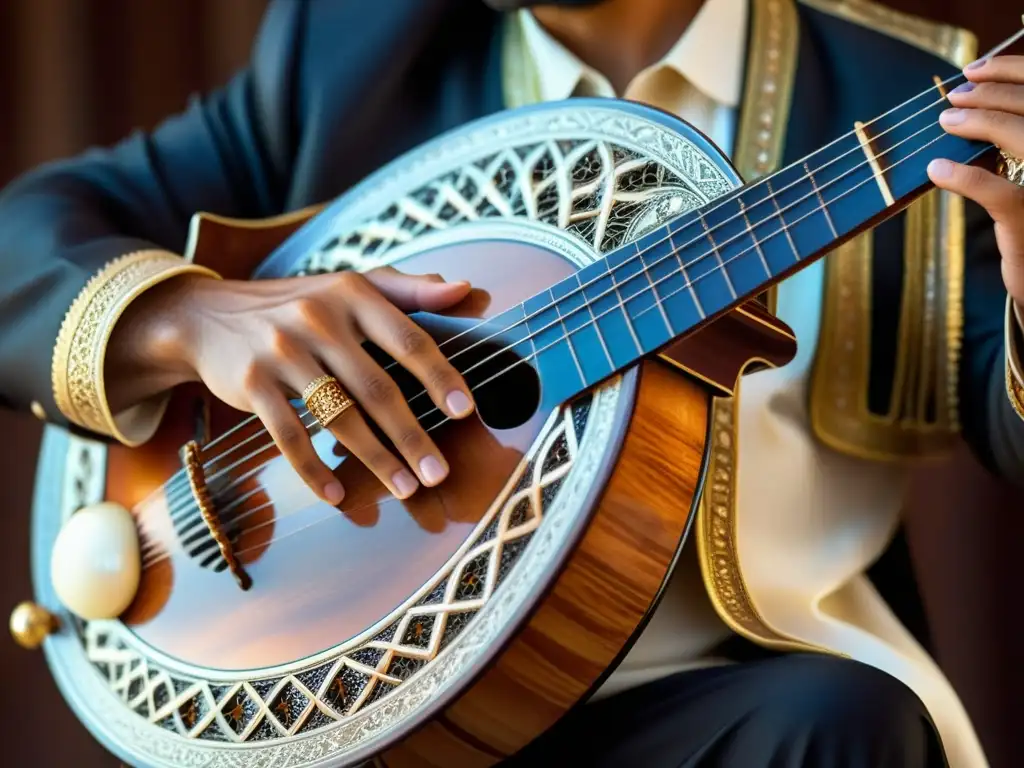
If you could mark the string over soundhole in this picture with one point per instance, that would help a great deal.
(201, 495)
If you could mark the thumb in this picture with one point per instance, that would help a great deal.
(412, 293)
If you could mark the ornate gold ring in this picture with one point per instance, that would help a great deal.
(1011, 167)
(325, 399)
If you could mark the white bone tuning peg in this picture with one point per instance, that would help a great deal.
(95, 564)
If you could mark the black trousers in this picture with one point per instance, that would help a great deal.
(787, 711)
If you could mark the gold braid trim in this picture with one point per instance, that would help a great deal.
(922, 421)
(767, 97)
(79, 355)
(717, 541)
(761, 132)
(1014, 369)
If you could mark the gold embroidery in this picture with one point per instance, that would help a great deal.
(768, 95)
(80, 350)
(1016, 392)
(958, 46)
(1014, 374)
(771, 68)
(922, 420)
(716, 540)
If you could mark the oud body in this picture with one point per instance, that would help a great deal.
(452, 628)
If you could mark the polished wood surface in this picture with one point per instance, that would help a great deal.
(747, 339)
(233, 248)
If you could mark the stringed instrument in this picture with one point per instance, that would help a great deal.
(616, 259)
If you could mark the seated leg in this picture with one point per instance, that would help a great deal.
(791, 711)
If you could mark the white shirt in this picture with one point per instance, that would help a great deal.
(700, 79)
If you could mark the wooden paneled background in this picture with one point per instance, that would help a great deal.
(75, 73)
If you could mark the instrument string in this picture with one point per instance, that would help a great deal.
(651, 288)
(181, 508)
(728, 197)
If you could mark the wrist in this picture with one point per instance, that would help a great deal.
(123, 405)
(154, 337)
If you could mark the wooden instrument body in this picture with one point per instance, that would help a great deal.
(452, 629)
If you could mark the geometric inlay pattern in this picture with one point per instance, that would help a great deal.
(593, 189)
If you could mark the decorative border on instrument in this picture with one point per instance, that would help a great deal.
(601, 148)
(542, 126)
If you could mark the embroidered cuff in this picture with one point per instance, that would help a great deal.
(1014, 355)
(80, 352)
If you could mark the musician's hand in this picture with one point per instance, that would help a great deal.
(254, 344)
(990, 107)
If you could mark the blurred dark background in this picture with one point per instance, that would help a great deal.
(75, 73)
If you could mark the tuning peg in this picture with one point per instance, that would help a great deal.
(95, 563)
(31, 623)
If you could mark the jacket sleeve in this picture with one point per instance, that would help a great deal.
(991, 387)
(81, 238)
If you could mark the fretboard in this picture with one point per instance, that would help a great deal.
(690, 271)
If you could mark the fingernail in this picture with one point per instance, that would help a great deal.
(977, 64)
(964, 88)
(940, 169)
(405, 482)
(334, 493)
(458, 403)
(432, 470)
(953, 116)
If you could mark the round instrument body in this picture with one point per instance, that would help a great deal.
(363, 625)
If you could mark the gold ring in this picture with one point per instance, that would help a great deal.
(1011, 168)
(325, 399)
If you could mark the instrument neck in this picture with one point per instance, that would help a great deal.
(687, 273)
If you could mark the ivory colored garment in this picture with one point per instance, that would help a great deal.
(809, 519)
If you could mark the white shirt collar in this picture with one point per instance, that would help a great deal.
(710, 54)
